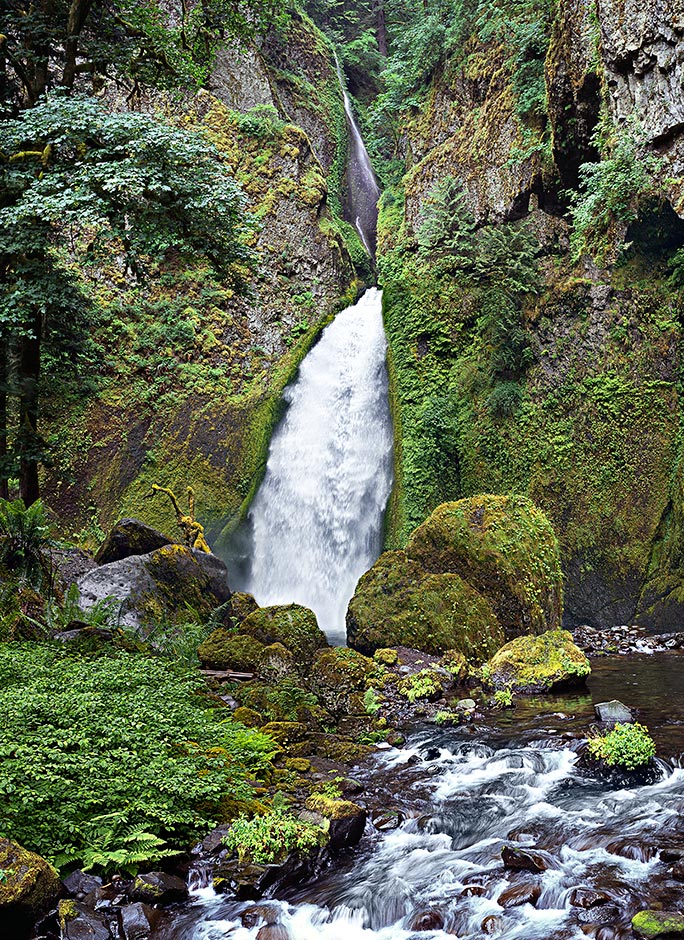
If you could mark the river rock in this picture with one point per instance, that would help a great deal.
(273, 932)
(157, 887)
(523, 892)
(78, 921)
(138, 921)
(614, 712)
(651, 924)
(543, 663)
(338, 677)
(165, 581)
(346, 820)
(130, 537)
(223, 649)
(427, 920)
(476, 573)
(78, 884)
(587, 897)
(521, 860)
(292, 625)
(29, 887)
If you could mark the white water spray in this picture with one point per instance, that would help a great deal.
(317, 518)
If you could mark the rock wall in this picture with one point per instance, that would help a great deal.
(594, 436)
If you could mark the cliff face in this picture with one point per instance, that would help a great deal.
(187, 373)
(588, 421)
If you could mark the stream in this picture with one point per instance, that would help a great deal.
(467, 791)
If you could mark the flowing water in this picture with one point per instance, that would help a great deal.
(363, 192)
(316, 522)
(465, 793)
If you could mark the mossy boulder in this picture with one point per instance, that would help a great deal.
(276, 662)
(241, 606)
(545, 663)
(506, 549)
(397, 603)
(346, 820)
(476, 573)
(248, 717)
(455, 664)
(386, 657)
(225, 650)
(651, 924)
(28, 887)
(294, 626)
(426, 685)
(337, 676)
(130, 537)
(162, 584)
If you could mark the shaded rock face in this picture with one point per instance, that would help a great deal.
(130, 537)
(165, 581)
(29, 887)
(478, 571)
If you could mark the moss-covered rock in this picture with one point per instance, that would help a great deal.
(503, 547)
(398, 603)
(543, 663)
(241, 606)
(337, 675)
(386, 657)
(130, 537)
(426, 684)
(294, 626)
(285, 732)
(455, 664)
(651, 924)
(29, 885)
(248, 717)
(225, 650)
(276, 663)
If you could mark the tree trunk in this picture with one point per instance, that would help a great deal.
(28, 440)
(380, 26)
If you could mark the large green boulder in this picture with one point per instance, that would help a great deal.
(545, 663)
(476, 573)
(225, 650)
(28, 887)
(294, 626)
(338, 678)
(506, 549)
(397, 604)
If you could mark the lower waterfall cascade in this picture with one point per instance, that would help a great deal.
(316, 522)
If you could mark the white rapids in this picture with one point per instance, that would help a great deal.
(317, 519)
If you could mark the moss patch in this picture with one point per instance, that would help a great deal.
(538, 664)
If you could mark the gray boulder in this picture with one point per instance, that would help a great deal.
(130, 537)
(163, 582)
(614, 712)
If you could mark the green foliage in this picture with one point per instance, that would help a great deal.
(447, 718)
(628, 746)
(113, 762)
(422, 685)
(370, 701)
(447, 226)
(25, 543)
(503, 698)
(262, 122)
(610, 195)
(269, 838)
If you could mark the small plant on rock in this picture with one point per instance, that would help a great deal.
(423, 685)
(268, 838)
(627, 746)
(370, 702)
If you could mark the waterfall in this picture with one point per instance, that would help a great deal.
(316, 522)
(361, 207)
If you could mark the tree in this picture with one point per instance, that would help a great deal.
(127, 180)
(51, 43)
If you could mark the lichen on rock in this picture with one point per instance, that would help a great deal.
(544, 663)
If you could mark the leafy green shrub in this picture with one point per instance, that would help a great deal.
(503, 698)
(25, 542)
(370, 702)
(627, 746)
(269, 838)
(447, 718)
(262, 121)
(114, 761)
(422, 685)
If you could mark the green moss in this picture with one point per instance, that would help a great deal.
(299, 764)
(652, 924)
(332, 808)
(542, 663)
(292, 625)
(425, 684)
(30, 884)
(223, 649)
(386, 657)
(285, 732)
(337, 674)
(248, 717)
(397, 603)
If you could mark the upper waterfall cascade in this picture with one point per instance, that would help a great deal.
(316, 522)
(363, 192)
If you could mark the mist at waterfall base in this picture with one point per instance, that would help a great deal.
(316, 523)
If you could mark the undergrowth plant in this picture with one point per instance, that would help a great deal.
(628, 746)
(25, 543)
(269, 838)
(112, 762)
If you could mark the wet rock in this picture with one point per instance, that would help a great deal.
(465, 705)
(138, 921)
(491, 924)
(260, 913)
(347, 820)
(157, 887)
(172, 579)
(545, 663)
(526, 892)
(521, 860)
(388, 820)
(77, 921)
(130, 537)
(677, 871)
(651, 924)
(587, 897)
(671, 853)
(473, 891)
(600, 915)
(212, 842)
(427, 920)
(29, 887)
(223, 649)
(78, 884)
(614, 712)
(273, 932)
(338, 677)
(431, 753)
